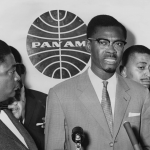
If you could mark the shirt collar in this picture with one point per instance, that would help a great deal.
(93, 76)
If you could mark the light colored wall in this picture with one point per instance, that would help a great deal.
(16, 17)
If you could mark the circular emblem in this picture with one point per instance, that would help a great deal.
(56, 44)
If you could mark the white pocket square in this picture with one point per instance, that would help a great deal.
(133, 114)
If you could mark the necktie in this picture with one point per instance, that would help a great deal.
(106, 105)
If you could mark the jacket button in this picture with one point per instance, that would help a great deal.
(111, 144)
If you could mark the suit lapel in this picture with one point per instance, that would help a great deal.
(29, 141)
(89, 98)
(30, 104)
(121, 104)
(8, 133)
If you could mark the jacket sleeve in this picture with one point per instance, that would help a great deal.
(55, 120)
(145, 124)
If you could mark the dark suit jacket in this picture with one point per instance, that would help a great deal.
(75, 103)
(35, 111)
(8, 141)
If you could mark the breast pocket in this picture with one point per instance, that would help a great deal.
(135, 122)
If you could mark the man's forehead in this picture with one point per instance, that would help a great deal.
(109, 32)
(140, 57)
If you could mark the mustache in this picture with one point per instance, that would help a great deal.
(146, 79)
(111, 55)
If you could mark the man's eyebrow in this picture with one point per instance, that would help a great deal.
(16, 64)
(142, 62)
(13, 66)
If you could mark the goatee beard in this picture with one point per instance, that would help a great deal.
(110, 70)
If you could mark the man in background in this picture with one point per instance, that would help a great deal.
(136, 64)
(99, 100)
(29, 106)
(13, 136)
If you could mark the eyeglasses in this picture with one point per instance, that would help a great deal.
(105, 43)
(20, 68)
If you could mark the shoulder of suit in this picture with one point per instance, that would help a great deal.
(133, 84)
(35, 96)
(35, 92)
(69, 83)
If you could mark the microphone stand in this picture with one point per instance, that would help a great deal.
(78, 137)
(78, 142)
(131, 135)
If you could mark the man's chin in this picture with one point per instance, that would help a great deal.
(110, 70)
(8, 101)
(10, 98)
(13, 93)
(146, 85)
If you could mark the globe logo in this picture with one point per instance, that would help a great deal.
(56, 44)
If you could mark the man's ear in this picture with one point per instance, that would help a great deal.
(124, 72)
(88, 46)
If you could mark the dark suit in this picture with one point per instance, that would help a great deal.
(8, 141)
(35, 111)
(75, 103)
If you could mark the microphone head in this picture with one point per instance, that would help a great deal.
(77, 135)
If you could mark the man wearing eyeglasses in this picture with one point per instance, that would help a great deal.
(99, 100)
(24, 102)
(13, 136)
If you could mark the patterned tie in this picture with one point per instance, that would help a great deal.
(106, 105)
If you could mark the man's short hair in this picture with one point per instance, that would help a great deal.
(132, 50)
(103, 21)
(4, 51)
(16, 54)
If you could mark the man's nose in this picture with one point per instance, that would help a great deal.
(111, 49)
(111, 46)
(147, 72)
(17, 77)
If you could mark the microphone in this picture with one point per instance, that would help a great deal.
(77, 136)
(131, 135)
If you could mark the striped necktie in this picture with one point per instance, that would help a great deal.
(106, 105)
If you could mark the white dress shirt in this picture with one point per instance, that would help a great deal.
(5, 119)
(98, 87)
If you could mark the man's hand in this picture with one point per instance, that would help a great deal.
(18, 106)
(42, 124)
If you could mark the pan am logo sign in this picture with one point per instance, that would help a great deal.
(56, 44)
